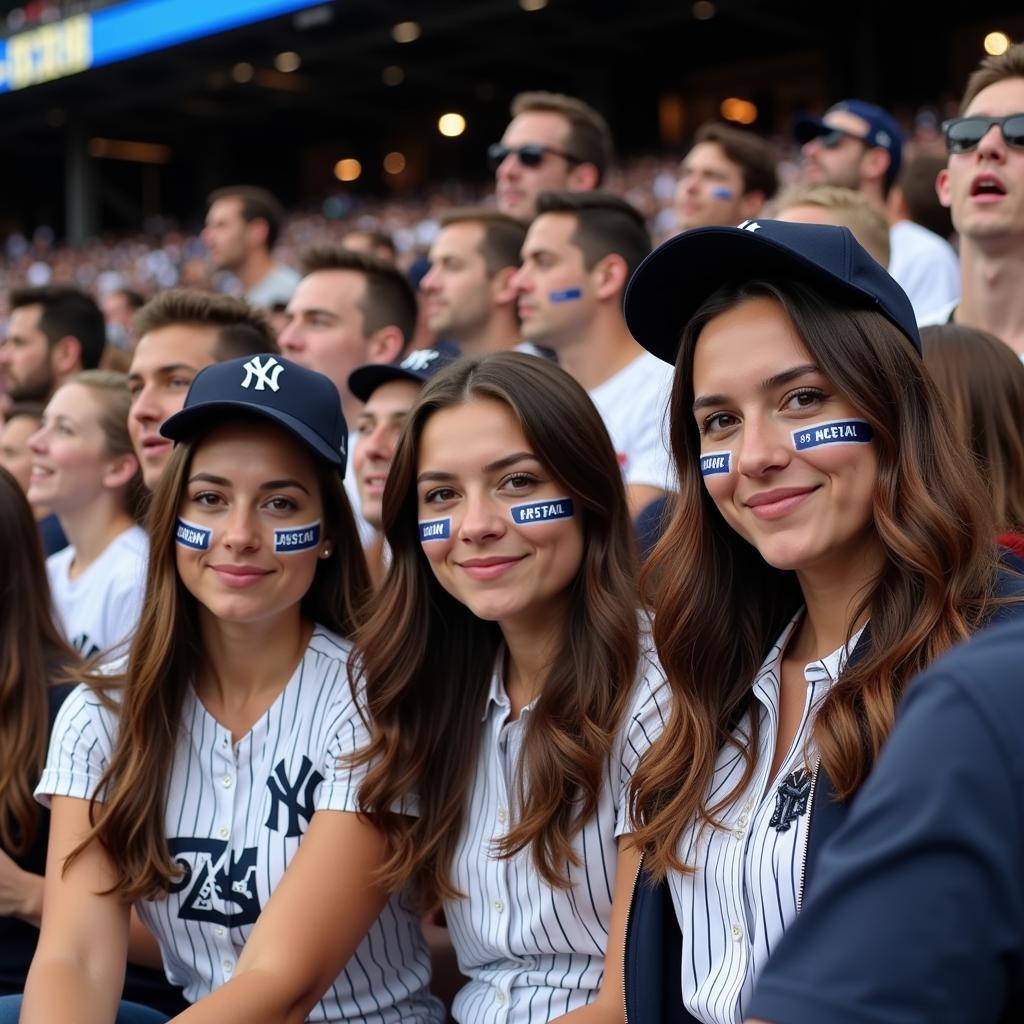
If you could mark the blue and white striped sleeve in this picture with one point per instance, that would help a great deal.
(80, 748)
(645, 720)
(349, 732)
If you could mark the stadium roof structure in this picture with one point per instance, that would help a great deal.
(167, 99)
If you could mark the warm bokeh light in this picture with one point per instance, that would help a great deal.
(394, 163)
(348, 169)
(533, 5)
(997, 43)
(702, 10)
(288, 61)
(451, 125)
(740, 111)
(392, 75)
(405, 32)
(243, 72)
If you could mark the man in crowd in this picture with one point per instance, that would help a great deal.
(552, 142)
(468, 293)
(53, 332)
(577, 259)
(377, 243)
(983, 186)
(387, 391)
(119, 308)
(350, 308)
(726, 177)
(242, 226)
(180, 332)
(859, 145)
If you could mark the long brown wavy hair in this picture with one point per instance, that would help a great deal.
(163, 660)
(33, 653)
(982, 380)
(718, 606)
(426, 661)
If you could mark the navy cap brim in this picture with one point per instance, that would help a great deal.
(673, 281)
(806, 127)
(204, 416)
(364, 380)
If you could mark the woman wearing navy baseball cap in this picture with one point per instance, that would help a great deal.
(203, 783)
(509, 681)
(830, 540)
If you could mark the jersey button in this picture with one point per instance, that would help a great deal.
(500, 997)
(223, 833)
(737, 932)
(228, 965)
(502, 815)
(219, 930)
(227, 780)
(499, 906)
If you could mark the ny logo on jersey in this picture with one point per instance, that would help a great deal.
(85, 647)
(216, 881)
(287, 793)
(791, 799)
(419, 360)
(265, 374)
(749, 225)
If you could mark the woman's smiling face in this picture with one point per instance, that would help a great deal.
(756, 388)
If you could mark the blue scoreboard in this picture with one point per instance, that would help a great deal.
(135, 27)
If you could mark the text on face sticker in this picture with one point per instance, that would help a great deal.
(435, 529)
(541, 511)
(833, 432)
(297, 538)
(713, 463)
(188, 535)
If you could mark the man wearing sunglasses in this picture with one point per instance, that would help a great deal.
(983, 187)
(552, 143)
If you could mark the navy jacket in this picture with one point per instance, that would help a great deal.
(653, 950)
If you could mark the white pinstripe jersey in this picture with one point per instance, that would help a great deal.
(235, 817)
(733, 910)
(533, 952)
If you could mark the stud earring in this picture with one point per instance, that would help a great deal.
(326, 553)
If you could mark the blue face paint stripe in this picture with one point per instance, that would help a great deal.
(297, 538)
(541, 511)
(190, 535)
(435, 529)
(713, 463)
(566, 295)
(720, 192)
(832, 432)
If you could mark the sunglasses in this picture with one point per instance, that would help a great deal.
(530, 155)
(963, 134)
(832, 137)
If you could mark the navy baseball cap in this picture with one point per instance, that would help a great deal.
(882, 129)
(673, 281)
(418, 366)
(304, 402)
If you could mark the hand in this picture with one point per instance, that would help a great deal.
(21, 893)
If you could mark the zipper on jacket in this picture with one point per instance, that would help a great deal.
(807, 845)
(625, 935)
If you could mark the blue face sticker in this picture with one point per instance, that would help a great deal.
(833, 432)
(435, 529)
(721, 192)
(541, 511)
(297, 538)
(566, 295)
(713, 463)
(189, 535)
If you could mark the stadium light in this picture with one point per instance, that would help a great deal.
(288, 61)
(703, 10)
(243, 72)
(740, 111)
(451, 125)
(348, 169)
(394, 163)
(392, 75)
(405, 32)
(996, 43)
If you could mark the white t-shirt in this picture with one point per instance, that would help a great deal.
(634, 407)
(236, 814)
(100, 607)
(277, 287)
(924, 265)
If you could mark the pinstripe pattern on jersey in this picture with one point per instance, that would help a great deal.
(235, 816)
(734, 908)
(533, 952)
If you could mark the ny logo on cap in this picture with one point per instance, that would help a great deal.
(418, 361)
(264, 374)
(749, 225)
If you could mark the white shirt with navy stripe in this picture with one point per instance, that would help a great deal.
(533, 952)
(236, 814)
(744, 893)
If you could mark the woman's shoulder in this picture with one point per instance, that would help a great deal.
(325, 644)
